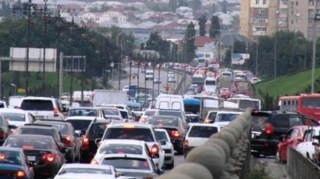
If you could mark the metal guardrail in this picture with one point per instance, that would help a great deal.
(300, 167)
(226, 155)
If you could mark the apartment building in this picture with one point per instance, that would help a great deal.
(264, 17)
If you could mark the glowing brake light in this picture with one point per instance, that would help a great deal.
(269, 129)
(94, 162)
(175, 134)
(55, 112)
(3, 156)
(85, 142)
(154, 149)
(186, 143)
(21, 174)
(128, 126)
(27, 147)
(48, 157)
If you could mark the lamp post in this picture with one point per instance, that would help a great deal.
(111, 65)
(15, 88)
(70, 40)
(58, 27)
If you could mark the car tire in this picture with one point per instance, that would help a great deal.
(171, 165)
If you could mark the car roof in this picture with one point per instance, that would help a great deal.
(83, 117)
(159, 129)
(37, 98)
(38, 126)
(163, 116)
(229, 112)
(51, 121)
(12, 110)
(77, 165)
(85, 108)
(122, 141)
(126, 156)
(202, 124)
(129, 124)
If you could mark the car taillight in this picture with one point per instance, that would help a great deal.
(175, 134)
(94, 162)
(186, 143)
(207, 121)
(154, 149)
(2, 134)
(20, 174)
(67, 141)
(85, 142)
(48, 157)
(55, 112)
(269, 128)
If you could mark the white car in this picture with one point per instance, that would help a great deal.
(81, 123)
(17, 117)
(308, 148)
(225, 117)
(131, 165)
(120, 146)
(198, 134)
(136, 131)
(111, 111)
(167, 146)
(171, 79)
(85, 171)
(125, 88)
(42, 107)
(146, 114)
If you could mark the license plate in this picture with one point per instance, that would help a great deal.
(32, 158)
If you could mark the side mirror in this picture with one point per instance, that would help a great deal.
(12, 126)
(97, 141)
(160, 171)
(163, 142)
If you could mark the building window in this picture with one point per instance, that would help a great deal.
(285, 2)
(260, 11)
(297, 3)
(257, 1)
(311, 2)
(264, 2)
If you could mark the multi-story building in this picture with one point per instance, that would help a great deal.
(264, 17)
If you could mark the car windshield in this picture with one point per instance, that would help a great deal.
(30, 143)
(210, 82)
(14, 116)
(10, 157)
(127, 163)
(161, 135)
(35, 130)
(111, 111)
(79, 124)
(149, 113)
(202, 131)
(120, 149)
(124, 114)
(157, 121)
(96, 130)
(83, 112)
(129, 133)
(37, 105)
(171, 113)
(226, 117)
(311, 102)
(86, 171)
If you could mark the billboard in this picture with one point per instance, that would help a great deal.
(239, 58)
(205, 55)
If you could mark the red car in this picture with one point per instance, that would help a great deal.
(292, 138)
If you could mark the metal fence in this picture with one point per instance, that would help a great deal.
(299, 167)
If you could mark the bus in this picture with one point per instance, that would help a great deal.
(247, 102)
(307, 104)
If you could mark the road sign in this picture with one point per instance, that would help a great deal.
(132, 90)
(21, 91)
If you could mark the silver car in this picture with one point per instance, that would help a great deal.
(157, 80)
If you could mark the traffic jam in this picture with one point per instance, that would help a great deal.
(110, 134)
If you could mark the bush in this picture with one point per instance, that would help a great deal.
(259, 172)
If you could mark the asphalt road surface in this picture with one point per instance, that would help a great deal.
(149, 83)
(178, 159)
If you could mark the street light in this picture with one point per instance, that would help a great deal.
(120, 69)
(15, 88)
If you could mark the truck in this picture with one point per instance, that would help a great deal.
(101, 97)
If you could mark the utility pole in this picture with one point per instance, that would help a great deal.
(44, 48)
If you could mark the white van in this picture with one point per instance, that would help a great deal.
(168, 101)
(149, 75)
(210, 84)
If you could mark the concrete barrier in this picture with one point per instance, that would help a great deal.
(226, 155)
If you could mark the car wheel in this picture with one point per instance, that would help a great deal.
(171, 165)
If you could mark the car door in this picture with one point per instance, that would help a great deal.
(285, 143)
(293, 138)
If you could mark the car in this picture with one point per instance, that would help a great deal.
(111, 111)
(211, 117)
(17, 117)
(175, 128)
(167, 146)
(134, 76)
(223, 118)
(14, 162)
(125, 88)
(267, 127)
(136, 131)
(146, 114)
(171, 79)
(198, 134)
(81, 123)
(41, 129)
(94, 131)
(157, 80)
(120, 146)
(86, 111)
(291, 138)
(193, 118)
(177, 113)
(309, 145)
(70, 140)
(132, 165)
(43, 153)
(85, 171)
(43, 107)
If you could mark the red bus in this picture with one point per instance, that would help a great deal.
(307, 104)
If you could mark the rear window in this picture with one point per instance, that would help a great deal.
(35, 131)
(202, 131)
(171, 113)
(37, 105)
(130, 133)
(149, 113)
(124, 114)
(161, 135)
(226, 117)
(127, 163)
(10, 157)
(258, 123)
(82, 112)
(113, 112)
(120, 149)
(80, 124)
(14, 116)
(62, 128)
(287, 121)
(97, 129)
(29, 143)
(163, 122)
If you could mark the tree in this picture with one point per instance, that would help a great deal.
(214, 31)
(189, 48)
(202, 25)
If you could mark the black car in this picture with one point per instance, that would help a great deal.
(39, 129)
(43, 153)
(268, 127)
(70, 138)
(175, 128)
(94, 131)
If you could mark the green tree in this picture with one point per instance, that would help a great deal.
(189, 47)
(214, 31)
(202, 25)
